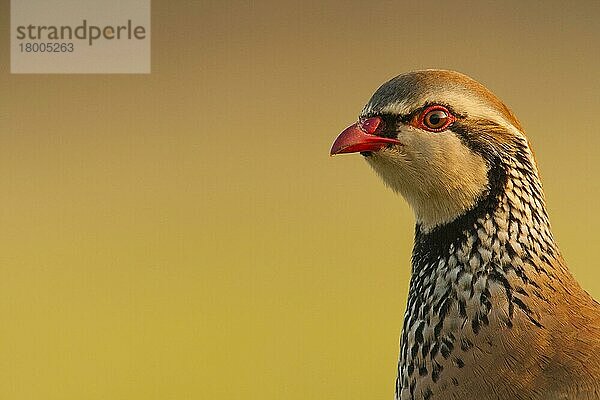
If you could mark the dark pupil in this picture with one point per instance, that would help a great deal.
(435, 118)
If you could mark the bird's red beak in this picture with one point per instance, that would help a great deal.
(361, 137)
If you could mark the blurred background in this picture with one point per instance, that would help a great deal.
(185, 235)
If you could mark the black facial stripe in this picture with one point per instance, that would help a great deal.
(499, 148)
(391, 121)
(479, 136)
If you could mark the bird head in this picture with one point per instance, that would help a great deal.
(441, 140)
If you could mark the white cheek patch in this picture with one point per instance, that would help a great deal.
(438, 176)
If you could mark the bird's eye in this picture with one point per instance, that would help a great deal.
(436, 119)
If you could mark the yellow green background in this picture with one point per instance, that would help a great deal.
(185, 235)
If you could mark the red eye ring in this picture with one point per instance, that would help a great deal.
(435, 119)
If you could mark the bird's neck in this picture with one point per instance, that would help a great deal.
(509, 220)
(477, 274)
